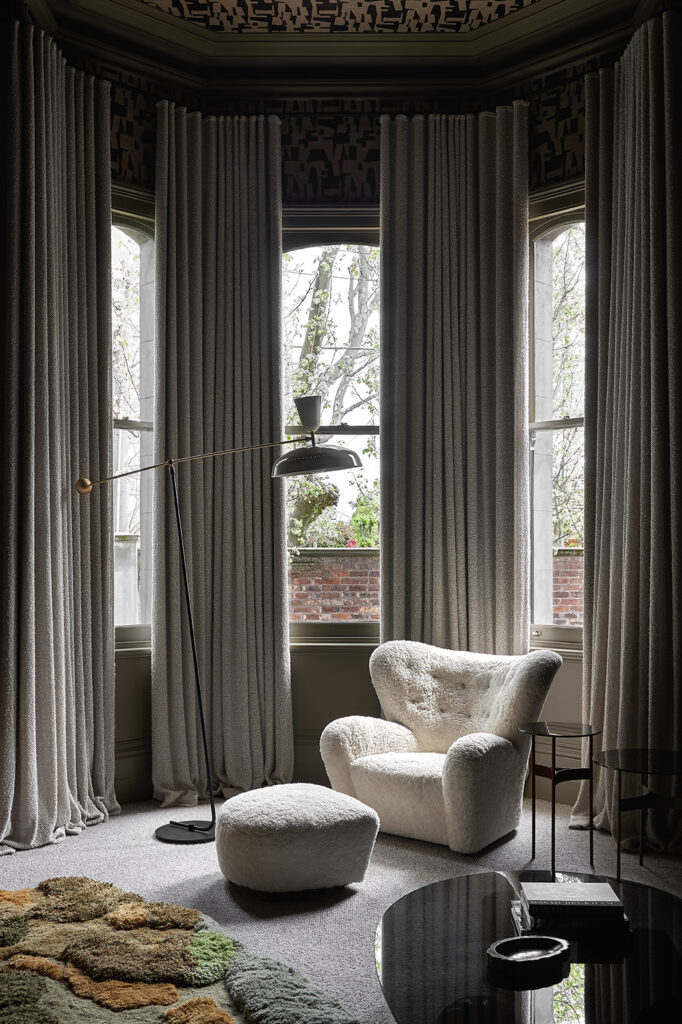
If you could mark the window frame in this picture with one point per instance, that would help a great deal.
(132, 211)
(551, 209)
(304, 227)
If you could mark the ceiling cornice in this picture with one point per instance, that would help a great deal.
(527, 43)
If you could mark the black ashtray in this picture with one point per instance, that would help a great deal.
(528, 961)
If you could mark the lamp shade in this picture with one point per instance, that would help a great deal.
(324, 458)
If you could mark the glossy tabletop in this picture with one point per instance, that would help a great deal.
(642, 761)
(559, 729)
(431, 958)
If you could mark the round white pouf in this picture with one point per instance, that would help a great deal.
(294, 837)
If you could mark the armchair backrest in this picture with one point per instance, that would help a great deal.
(441, 695)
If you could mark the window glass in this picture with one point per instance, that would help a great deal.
(557, 446)
(331, 344)
(132, 375)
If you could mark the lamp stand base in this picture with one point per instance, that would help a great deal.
(186, 832)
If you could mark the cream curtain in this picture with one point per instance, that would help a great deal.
(454, 434)
(218, 386)
(633, 411)
(56, 600)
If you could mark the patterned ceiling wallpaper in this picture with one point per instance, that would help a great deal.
(339, 15)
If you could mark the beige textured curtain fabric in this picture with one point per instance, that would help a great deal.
(218, 386)
(57, 634)
(454, 431)
(633, 411)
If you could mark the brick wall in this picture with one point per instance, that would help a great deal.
(568, 587)
(342, 585)
(334, 585)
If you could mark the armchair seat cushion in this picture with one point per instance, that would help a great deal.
(389, 782)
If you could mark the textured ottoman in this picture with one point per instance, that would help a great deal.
(289, 838)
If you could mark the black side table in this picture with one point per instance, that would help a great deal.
(644, 762)
(555, 731)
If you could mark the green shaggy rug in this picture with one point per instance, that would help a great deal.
(76, 950)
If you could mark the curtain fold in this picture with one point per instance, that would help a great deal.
(633, 413)
(56, 612)
(219, 386)
(454, 433)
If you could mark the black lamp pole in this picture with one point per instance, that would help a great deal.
(299, 461)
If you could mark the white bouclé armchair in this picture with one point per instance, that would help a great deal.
(448, 764)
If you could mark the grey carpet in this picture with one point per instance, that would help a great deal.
(327, 936)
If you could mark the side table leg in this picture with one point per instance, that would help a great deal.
(591, 751)
(553, 797)
(642, 821)
(618, 773)
(532, 793)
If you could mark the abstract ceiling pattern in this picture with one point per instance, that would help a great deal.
(339, 15)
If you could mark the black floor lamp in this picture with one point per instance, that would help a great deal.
(310, 459)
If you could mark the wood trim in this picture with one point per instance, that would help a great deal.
(525, 44)
(317, 225)
(544, 22)
(133, 207)
(141, 747)
(565, 198)
(43, 16)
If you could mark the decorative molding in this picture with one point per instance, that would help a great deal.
(42, 15)
(130, 203)
(548, 30)
(125, 749)
(307, 737)
(568, 652)
(337, 646)
(123, 653)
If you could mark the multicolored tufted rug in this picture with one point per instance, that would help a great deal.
(76, 950)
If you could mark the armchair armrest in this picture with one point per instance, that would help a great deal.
(483, 777)
(346, 739)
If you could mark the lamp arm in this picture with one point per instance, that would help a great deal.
(84, 486)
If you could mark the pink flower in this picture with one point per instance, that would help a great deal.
(352, 543)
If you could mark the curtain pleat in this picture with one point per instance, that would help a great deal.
(633, 415)
(219, 386)
(454, 434)
(56, 615)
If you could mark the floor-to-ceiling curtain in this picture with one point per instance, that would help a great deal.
(56, 626)
(218, 386)
(454, 423)
(633, 408)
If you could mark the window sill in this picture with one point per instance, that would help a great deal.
(315, 635)
(565, 640)
(137, 638)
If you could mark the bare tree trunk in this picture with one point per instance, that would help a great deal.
(316, 327)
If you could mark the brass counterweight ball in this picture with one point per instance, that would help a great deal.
(83, 486)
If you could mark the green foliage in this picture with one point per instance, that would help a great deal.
(365, 519)
(569, 997)
(307, 499)
(328, 531)
(211, 952)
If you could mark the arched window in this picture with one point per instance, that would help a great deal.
(331, 347)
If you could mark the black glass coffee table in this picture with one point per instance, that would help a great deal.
(431, 958)
(643, 762)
